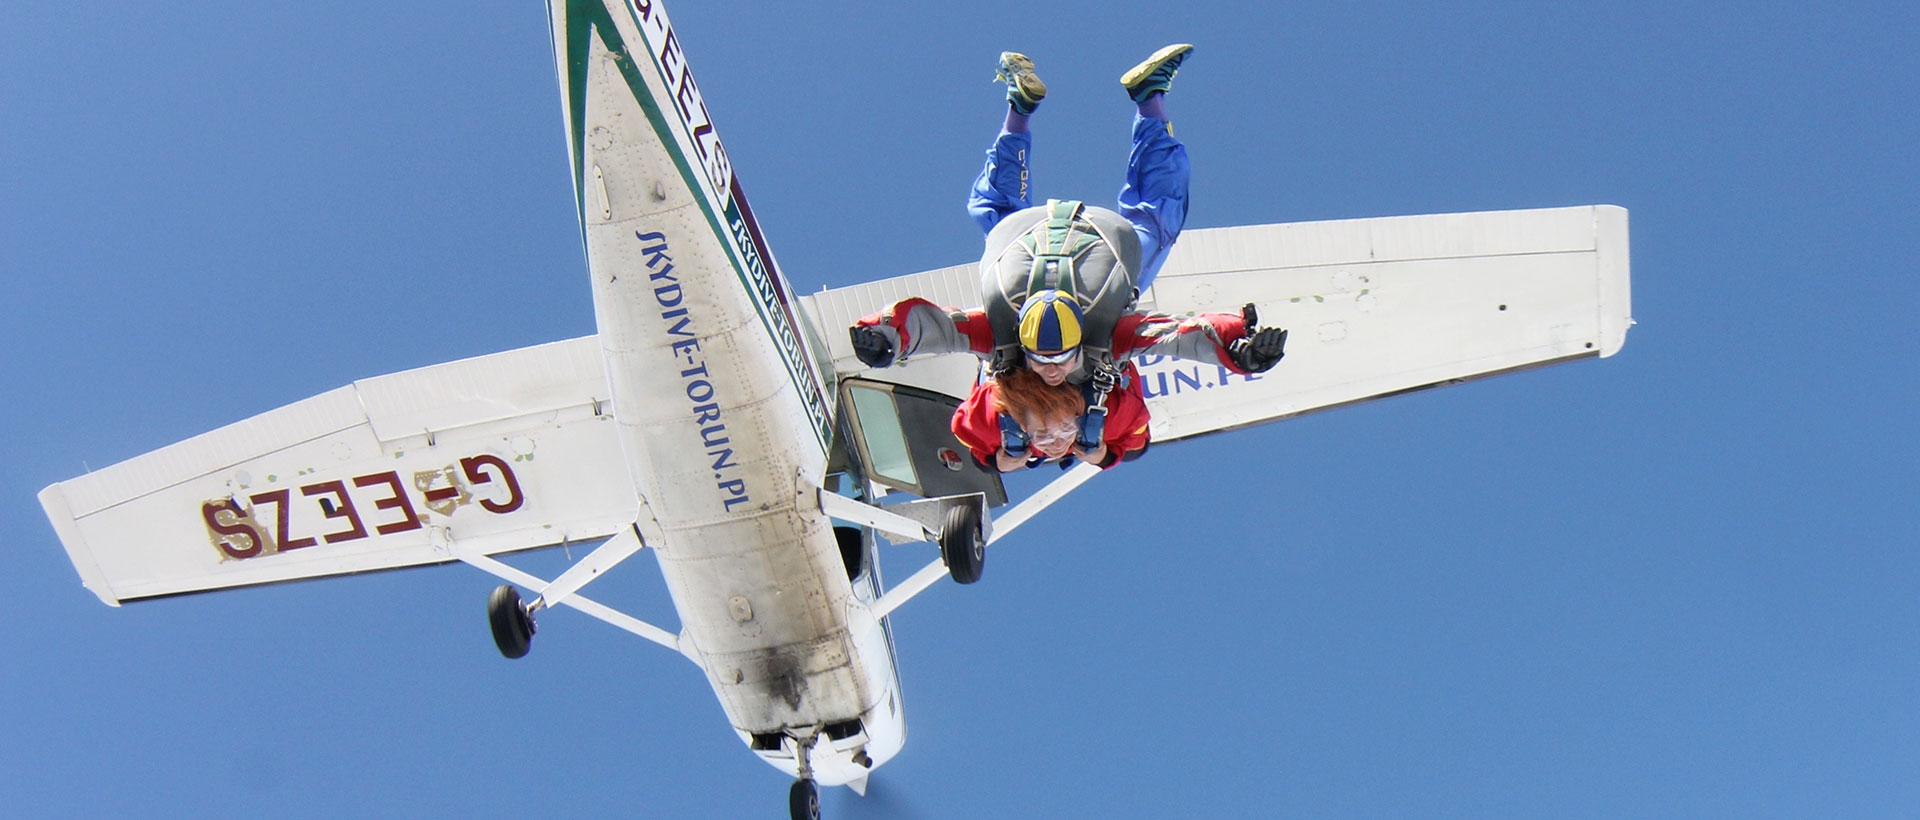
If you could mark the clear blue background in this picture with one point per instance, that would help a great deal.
(1679, 582)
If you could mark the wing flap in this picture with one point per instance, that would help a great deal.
(489, 388)
(833, 311)
(305, 420)
(499, 453)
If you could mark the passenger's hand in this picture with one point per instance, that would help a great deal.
(1008, 463)
(1014, 441)
(1093, 456)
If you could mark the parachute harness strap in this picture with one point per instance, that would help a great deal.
(1103, 377)
(1055, 244)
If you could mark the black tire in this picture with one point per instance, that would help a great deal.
(962, 545)
(803, 800)
(512, 626)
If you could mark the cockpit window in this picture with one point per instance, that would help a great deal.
(886, 443)
(902, 438)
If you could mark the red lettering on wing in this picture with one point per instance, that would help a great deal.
(398, 499)
(439, 494)
(342, 509)
(229, 536)
(242, 534)
(279, 499)
(472, 467)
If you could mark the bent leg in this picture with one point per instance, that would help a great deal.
(1002, 186)
(1154, 197)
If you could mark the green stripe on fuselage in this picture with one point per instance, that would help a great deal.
(584, 17)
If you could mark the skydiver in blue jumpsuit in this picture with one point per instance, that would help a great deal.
(1154, 197)
(1105, 283)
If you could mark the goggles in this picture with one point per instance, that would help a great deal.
(1052, 358)
(1057, 435)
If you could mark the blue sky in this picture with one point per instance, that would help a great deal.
(1674, 583)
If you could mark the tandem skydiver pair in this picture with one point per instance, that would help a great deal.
(1058, 285)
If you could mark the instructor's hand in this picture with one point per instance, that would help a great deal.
(870, 346)
(1260, 351)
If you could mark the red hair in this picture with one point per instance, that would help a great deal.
(1035, 404)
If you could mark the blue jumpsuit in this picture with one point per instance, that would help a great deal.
(1154, 198)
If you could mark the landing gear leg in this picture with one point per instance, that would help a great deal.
(803, 800)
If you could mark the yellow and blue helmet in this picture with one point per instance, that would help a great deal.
(1050, 327)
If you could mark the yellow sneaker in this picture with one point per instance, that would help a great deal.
(1155, 74)
(1024, 89)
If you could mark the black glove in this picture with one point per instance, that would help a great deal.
(1003, 363)
(1104, 377)
(870, 346)
(1259, 351)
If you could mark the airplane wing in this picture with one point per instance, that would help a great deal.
(493, 454)
(1375, 308)
(835, 310)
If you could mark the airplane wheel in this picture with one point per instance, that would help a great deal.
(962, 545)
(803, 800)
(512, 626)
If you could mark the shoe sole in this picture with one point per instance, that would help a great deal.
(1018, 68)
(1145, 69)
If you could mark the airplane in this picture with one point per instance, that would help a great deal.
(721, 420)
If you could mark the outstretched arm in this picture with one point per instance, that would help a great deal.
(917, 327)
(1211, 338)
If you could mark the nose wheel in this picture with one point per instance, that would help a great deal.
(803, 800)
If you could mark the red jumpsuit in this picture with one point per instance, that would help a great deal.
(978, 426)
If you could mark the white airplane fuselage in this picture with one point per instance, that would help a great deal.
(723, 417)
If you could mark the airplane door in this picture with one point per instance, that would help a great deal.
(903, 436)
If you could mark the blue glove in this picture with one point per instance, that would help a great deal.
(1012, 438)
(1093, 426)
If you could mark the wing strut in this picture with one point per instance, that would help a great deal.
(1027, 508)
(496, 568)
(895, 525)
(604, 557)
